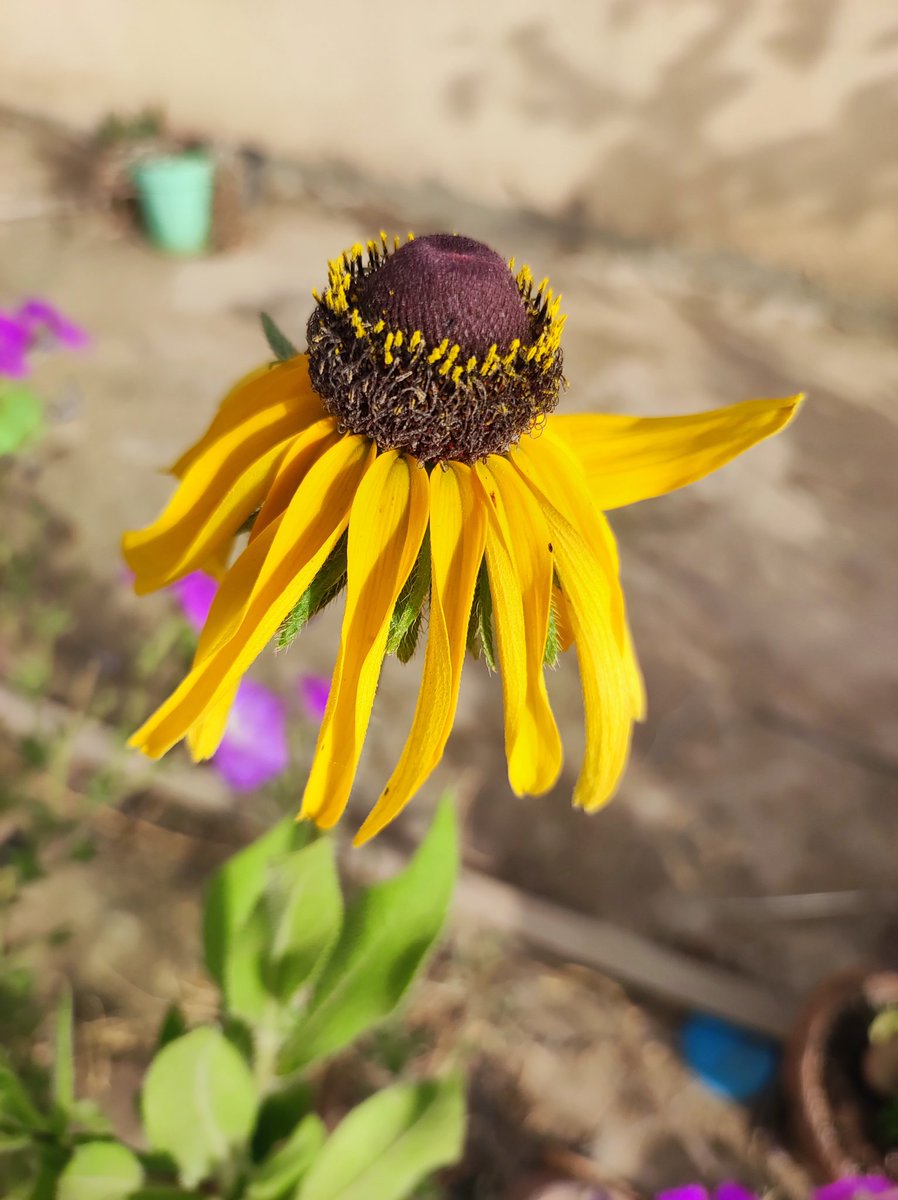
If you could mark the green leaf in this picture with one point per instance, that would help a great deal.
(234, 933)
(63, 1053)
(305, 912)
(480, 624)
(389, 1144)
(280, 345)
(282, 1170)
(16, 1110)
(407, 609)
(387, 934)
(279, 1115)
(20, 417)
(325, 587)
(100, 1171)
(198, 1103)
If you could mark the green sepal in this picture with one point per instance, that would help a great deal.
(408, 608)
(553, 641)
(480, 625)
(280, 345)
(406, 649)
(324, 588)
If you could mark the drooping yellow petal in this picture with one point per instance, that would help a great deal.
(235, 593)
(220, 489)
(269, 384)
(305, 535)
(564, 484)
(386, 528)
(605, 679)
(634, 458)
(457, 536)
(519, 563)
(304, 450)
(204, 738)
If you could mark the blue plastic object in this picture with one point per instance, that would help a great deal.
(728, 1059)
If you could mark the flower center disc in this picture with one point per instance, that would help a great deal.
(435, 349)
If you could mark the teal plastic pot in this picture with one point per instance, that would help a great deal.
(175, 195)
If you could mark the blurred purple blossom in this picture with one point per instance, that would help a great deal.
(40, 319)
(195, 593)
(13, 347)
(34, 323)
(254, 748)
(313, 693)
(854, 1188)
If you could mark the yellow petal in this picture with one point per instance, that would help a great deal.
(266, 385)
(563, 483)
(303, 452)
(305, 535)
(457, 535)
(634, 458)
(519, 563)
(220, 489)
(607, 687)
(386, 528)
(204, 738)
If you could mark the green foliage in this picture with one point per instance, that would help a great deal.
(199, 1103)
(100, 1171)
(21, 417)
(227, 1110)
(285, 1168)
(387, 1145)
(388, 932)
(279, 344)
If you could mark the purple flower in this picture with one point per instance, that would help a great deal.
(13, 347)
(857, 1188)
(254, 747)
(39, 319)
(195, 593)
(313, 693)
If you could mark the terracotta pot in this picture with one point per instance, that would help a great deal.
(833, 1108)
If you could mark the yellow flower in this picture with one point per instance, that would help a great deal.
(409, 454)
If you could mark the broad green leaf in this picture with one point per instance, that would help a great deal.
(324, 588)
(389, 1144)
(283, 1169)
(16, 1110)
(305, 907)
(233, 941)
(100, 1171)
(281, 346)
(20, 416)
(63, 1053)
(387, 934)
(407, 609)
(198, 1103)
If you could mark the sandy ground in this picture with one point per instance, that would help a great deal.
(762, 600)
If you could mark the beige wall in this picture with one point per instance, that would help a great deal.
(769, 128)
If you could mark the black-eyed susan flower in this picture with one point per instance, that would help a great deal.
(409, 457)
